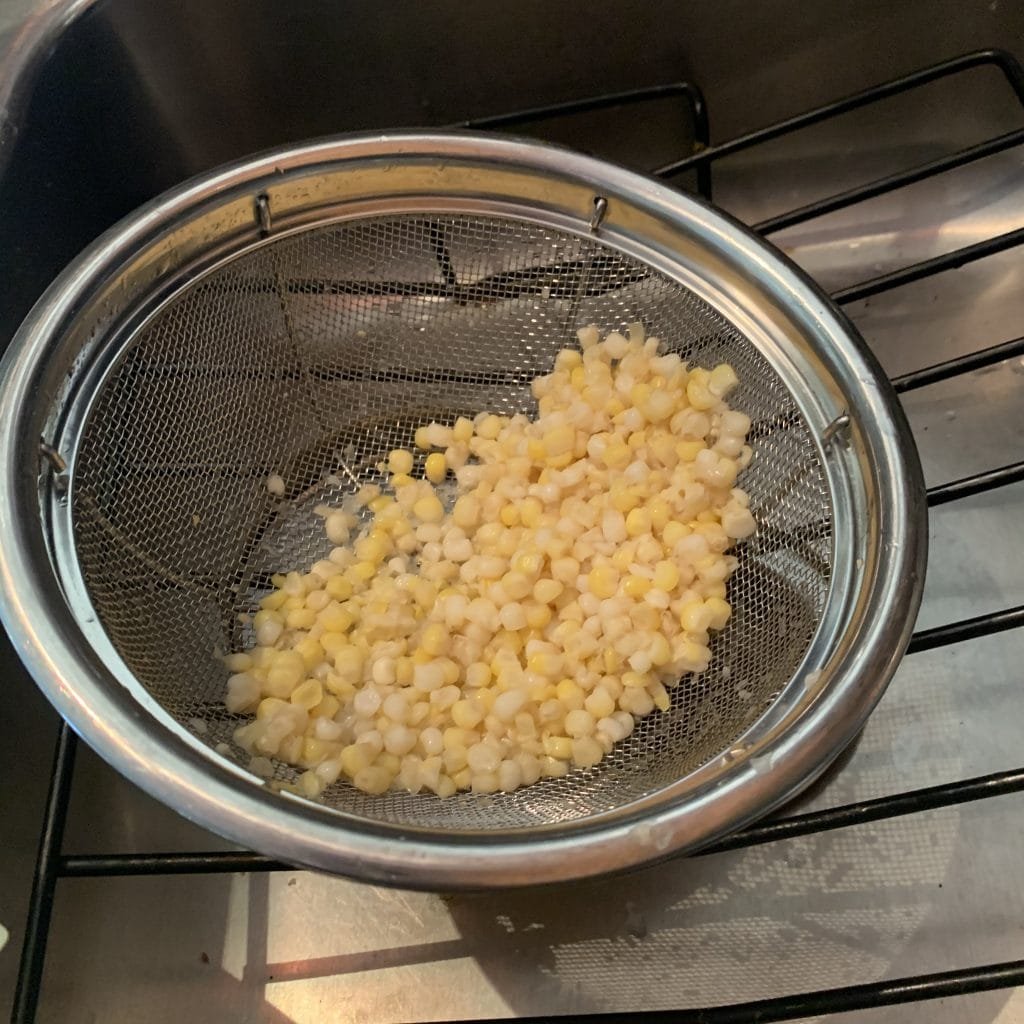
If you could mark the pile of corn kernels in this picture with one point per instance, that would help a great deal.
(518, 594)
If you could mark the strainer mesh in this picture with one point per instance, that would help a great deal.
(326, 349)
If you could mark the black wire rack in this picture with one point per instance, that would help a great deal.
(52, 864)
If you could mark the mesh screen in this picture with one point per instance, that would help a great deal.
(315, 355)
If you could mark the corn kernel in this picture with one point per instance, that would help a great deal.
(308, 694)
(666, 576)
(273, 601)
(300, 618)
(478, 675)
(361, 572)
(435, 468)
(428, 509)
(698, 394)
(559, 441)
(569, 694)
(558, 747)
(638, 522)
(722, 380)
(489, 427)
(719, 611)
(616, 455)
(538, 615)
(636, 586)
(434, 640)
(599, 703)
(466, 714)
(695, 617)
(339, 587)
(603, 581)
(547, 590)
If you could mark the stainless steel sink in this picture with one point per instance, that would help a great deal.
(104, 104)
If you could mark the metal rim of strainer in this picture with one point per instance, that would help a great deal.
(864, 444)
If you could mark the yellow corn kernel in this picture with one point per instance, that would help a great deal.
(639, 393)
(478, 675)
(273, 601)
(463, 430)
(559, 747)
(435, 468)
(636, 586)
(348, 664)
(509, 515)
(614, 406)
(689, 450)
(616, 455)
(489, 427)
(638, 522)
(466, 714)
(311, 652)
(624, 498)
(545, 663)
(662, 701)
(339, 587)
(722, 380)
(559, 441)
(623, 558)
(399, 462)
(422, 439)
(428, 509)
(547, 590)
(356, 757)
(538, 615)
(434, 639)
(660, 512)
(308, 694)
(300, 618)
(328, 707)
(372, 548)
(599, 703)
(511, 641)
(666, 576)
(694, 617)
(660, 651)
(535, 449)
(335, 618)
(269, 708)
(466, 512)
(673, 533)
(314, 751)
(530, 512)
(361, 572)
(603, 581)
(719, 610)
(631, 680)
(612, 660)
(569, 694)
(568, 359)
(516, 585)
(403, 671)
(697, 392)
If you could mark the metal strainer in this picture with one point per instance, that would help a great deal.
(300, 315)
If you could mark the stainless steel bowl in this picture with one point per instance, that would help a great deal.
(309, 307)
